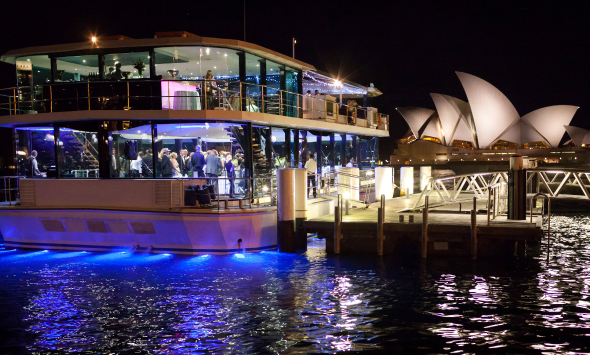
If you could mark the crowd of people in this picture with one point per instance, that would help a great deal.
(209, 164)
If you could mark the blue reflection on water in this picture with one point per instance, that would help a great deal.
(132, 302)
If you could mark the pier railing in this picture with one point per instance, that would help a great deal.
(333, 185)
(148, 94)
(450, 188)
(563, 184)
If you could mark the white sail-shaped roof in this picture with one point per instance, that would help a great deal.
(416, 117)
(521, 133)
(550, 121)
(512, 135)
(451, 111)
(491, 109)
(463, 132)
(528, 134)
(432, 129)
(577, 134)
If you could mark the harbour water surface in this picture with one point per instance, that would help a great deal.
(130, 303)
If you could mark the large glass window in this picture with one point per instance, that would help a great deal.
(339, 159)
(31, 73)
(192, 63)
(369, 153)
(35, 153)
(130, 152)
(33, 70)
(273, 102)
(291, 98)
(120, 66)
(261, 147)
(222, 167)
(78, 153)
(350, 152)
(77, 68)
(327, 156)
(281, 147)
(252, 90)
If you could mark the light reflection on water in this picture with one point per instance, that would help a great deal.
(124, 302)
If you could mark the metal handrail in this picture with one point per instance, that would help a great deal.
(16, 99)
(540, 194)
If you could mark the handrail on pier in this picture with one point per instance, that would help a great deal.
(540, 194)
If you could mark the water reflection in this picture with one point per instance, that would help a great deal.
(125, 302)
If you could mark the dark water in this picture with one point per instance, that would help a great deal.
(124, 303)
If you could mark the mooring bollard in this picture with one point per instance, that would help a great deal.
(425, 228)
(474, 234)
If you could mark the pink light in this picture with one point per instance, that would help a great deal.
(174, 87)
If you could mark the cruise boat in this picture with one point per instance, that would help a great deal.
(98, 127)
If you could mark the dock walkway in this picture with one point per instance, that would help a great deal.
(449, 229)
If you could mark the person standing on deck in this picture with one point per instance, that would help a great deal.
(197, 162)
(311, 166)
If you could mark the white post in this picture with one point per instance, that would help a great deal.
(383, 182)
(407, 180)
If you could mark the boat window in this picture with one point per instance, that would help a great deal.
(369, 153)
(33, 70)
(281, 148)
(121, 66)
(192, 63)
(77, 68)
(37, 142)
(78, 153)
(327, 158)
(133, 152)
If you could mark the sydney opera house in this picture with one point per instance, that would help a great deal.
(488, 128)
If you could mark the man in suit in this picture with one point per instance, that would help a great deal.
(167, 169)
(183, 162)
(212, 167)
(115, 164)
(147, 167)
(198, 161)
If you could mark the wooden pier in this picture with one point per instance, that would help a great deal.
(449, 231)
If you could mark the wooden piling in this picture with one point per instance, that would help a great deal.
(337, 229)
(380, 221)
(474, 235)
(380, 231)
(425, 228)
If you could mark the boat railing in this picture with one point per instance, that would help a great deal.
(150, 94)
(9, 191)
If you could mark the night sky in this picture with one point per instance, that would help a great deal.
(536, 53)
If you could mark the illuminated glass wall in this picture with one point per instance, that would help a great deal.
(121, 66)
(78, 153)
(77, 68)
(35, 139)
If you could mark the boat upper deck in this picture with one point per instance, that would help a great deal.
(179, 71)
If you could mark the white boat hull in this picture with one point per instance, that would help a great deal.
(158, 232)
